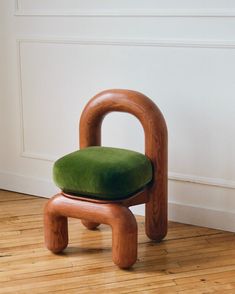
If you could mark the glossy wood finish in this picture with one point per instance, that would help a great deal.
(139, 198)
(191, 260)
(155, 131)
(119, 217)
(89, 225)
(116, 213)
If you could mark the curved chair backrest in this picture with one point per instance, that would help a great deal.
(153, 124)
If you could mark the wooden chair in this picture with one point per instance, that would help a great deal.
(116, 213)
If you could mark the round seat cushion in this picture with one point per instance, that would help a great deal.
(102, 172)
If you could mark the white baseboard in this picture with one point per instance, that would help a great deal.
(201, 216)
(27, 184)
(179, 212)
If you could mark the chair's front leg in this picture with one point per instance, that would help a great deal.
(55, 229)
(119, 217)
(124, 239)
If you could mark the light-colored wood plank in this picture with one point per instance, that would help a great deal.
(190, 260)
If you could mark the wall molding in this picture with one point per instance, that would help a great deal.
(189, 214)
(128, 13)
(186, 178)
(193, 179)
(122, 12)
(181, 43)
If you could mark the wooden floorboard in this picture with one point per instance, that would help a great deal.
(190, 260)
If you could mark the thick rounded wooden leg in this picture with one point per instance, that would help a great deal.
(119, 217)
(89, 225)
(156, 221)
(156, 209)
(56, 229)
(124, 240)
(155, 130)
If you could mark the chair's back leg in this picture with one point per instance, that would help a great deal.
(156, 219)
(155, 130)
(90, 225)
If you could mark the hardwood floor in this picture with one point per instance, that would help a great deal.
(190, 260)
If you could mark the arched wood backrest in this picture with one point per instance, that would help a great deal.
(155, 130)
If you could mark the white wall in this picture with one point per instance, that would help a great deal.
(2, 83)
(58, 54)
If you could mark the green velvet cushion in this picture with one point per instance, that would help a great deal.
(102, 172)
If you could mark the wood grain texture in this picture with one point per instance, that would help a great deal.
(155, 130)
(116, 213)
(190, 260)
(119, 217)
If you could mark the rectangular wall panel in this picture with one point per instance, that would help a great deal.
(122, 7)
(57, 54)
(58, 78)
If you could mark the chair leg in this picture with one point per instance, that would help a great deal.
(119, 217)
(124, 238)
(89, 225)
(55, 230)
(156, 220)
